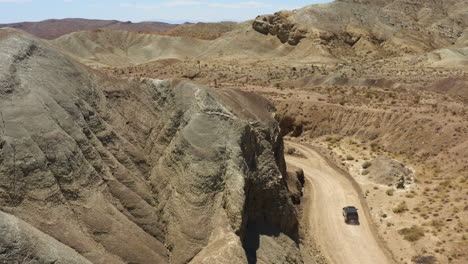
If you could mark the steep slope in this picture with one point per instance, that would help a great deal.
(21, 241)
(136, 171)
(54, 28)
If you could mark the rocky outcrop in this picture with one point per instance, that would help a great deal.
(390, 172)
(140, 170)
(279, 25)
(295, 181)
(369, 29)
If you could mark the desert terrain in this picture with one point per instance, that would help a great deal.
(241, 142)
(54, 28)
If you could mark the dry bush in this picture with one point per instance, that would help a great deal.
(333, 139)
(401, 208)
(412, 234)
(366, 164)
(437, 223)
(424, 259)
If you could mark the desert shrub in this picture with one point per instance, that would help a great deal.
(334, 138)
(412, 234)
(349, 157)
(390, 192)
(424, 260)
(401, 208)
(365, 172)
(445, 184)
(437, 223)
(366, 164)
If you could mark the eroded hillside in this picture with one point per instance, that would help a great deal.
(135, 171)
(365, 82)
(379, 88)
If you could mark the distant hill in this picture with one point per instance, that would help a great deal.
(427, 32)
(54, 28)
(206, 31)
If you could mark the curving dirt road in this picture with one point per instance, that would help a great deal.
(327, 192)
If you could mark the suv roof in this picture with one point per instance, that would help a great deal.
(350, 209)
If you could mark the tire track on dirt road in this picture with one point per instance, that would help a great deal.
(328, 192)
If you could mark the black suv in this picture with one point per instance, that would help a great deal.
(350, 214)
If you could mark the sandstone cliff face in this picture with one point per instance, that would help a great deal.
(140, 171)
(279, 25)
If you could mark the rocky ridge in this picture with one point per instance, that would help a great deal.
(137, 170)
(370, 29)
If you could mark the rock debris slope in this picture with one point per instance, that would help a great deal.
(135, 171)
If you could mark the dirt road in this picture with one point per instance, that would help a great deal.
(327, 192)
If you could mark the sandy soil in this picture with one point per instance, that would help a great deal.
(328, 191)
(436, 207)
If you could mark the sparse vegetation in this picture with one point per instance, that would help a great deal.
(390, 192)
(333, 139)
(437, 223)
(400, 208)
(412, 234)
(424, 259)
(366, 164)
